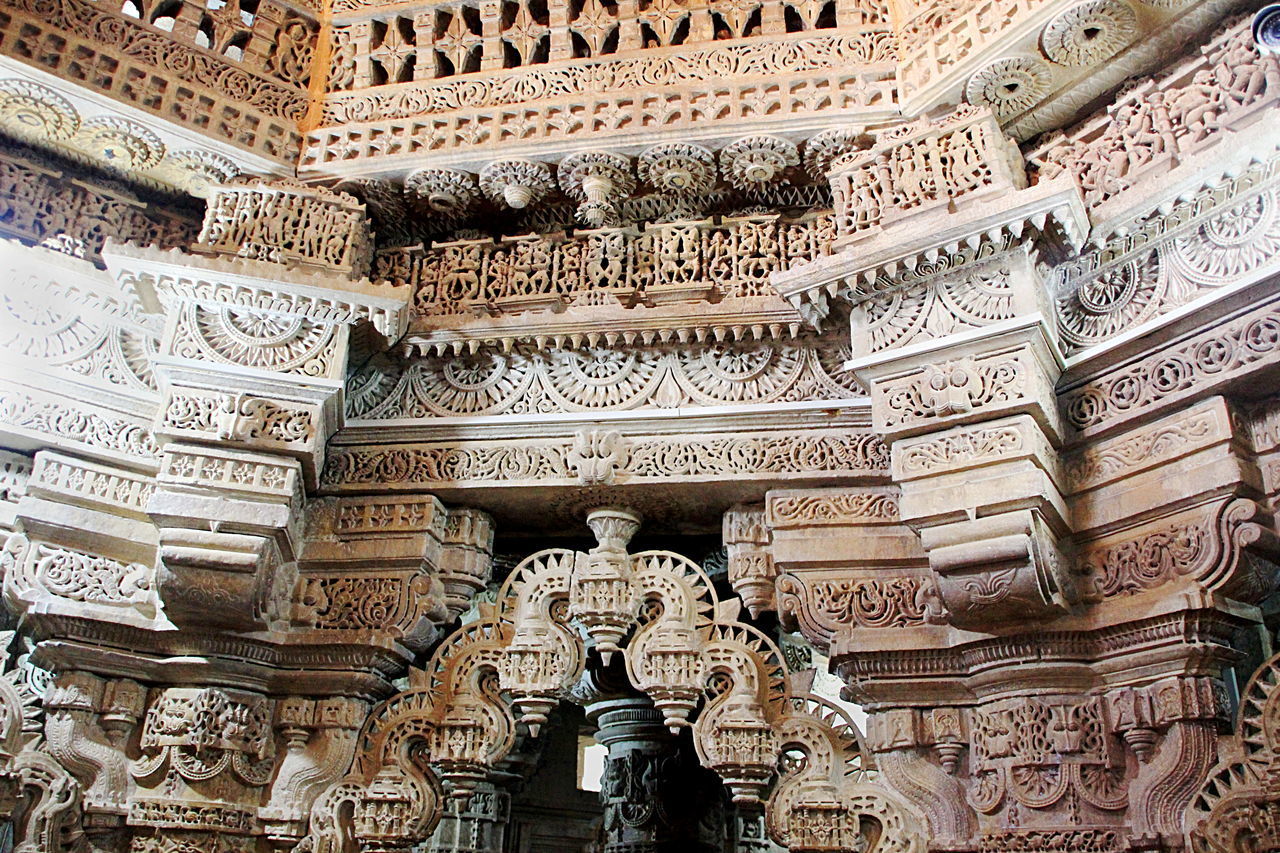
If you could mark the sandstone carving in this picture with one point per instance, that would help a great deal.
(632, 426)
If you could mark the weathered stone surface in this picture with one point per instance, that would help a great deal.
(825, 317)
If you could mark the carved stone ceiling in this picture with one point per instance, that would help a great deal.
(44, 111)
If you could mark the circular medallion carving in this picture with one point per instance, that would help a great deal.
(1108, 301)
(1010, 86)
(33, 111)
(1090, 32)
(125, 145)
(1230, 244)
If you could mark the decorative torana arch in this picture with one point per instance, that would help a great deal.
(685, 649)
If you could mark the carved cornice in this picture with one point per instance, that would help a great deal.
(51, 113)
(1032, 60)
(603, 455)
(1214, 354)
(1167, 136)
(889, 668)
(468, 114)
(1221, 240)
(684, 280)
(598, 379)
(309, 666)
(159, 278)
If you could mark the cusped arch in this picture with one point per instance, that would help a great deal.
(681, 646)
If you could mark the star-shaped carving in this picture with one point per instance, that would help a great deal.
(663, 17)
(594, 23)
(524, 33)
(456, 42)
(394, 52)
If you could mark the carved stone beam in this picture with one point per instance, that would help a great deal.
(257, 318)
(393, 567)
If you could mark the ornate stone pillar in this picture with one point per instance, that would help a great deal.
(657, 799)
(477, 824)
(250, 368)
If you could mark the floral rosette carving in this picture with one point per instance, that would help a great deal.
(272, 342)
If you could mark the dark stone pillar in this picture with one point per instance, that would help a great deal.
(657, 799)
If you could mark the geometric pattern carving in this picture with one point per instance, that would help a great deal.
(246, 87)
(600, 379)
(1223, 235)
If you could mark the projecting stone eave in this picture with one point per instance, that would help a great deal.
(157, 276)
(880, 260)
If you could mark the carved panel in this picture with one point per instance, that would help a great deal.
(1225, 235)
(653, 459)
(599, 379)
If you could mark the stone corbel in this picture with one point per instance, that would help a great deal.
(399, 566)
(320, 739)
(1007, 567)
(1172, 726)
(847, 564)
(1225, 544)
(751, 568)
(466, 560)
(84, 546)
(974, 427)
(88, 721)
(906, 746)
(229, 525)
